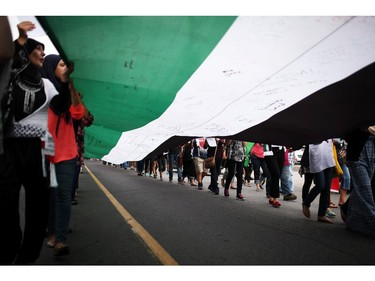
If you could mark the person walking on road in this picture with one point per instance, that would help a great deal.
(286, 177)
(199, 147)
(274, 156)
(235, 160)
(321, 163)
(257, 159)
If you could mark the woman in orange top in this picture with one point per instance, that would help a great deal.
(64, 159)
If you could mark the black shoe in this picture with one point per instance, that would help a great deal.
(290, 197)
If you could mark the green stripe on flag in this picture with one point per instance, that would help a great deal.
(129, 69)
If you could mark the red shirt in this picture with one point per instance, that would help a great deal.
(64, 138)
(258, 150)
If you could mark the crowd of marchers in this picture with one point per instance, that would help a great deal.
(351, 159)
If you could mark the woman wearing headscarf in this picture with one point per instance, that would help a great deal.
(25, 107)
(65, 156)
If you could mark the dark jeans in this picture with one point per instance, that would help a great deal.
(257, 164)
(140, 166)
(61, 200)
(232, 167)
(322, 186)
(161, 163)
(76, 180)
(21, 164)
(215, 171)
(248, 171)
(148, 166)
(307, 184)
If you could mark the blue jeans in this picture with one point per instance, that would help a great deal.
(286, 180)
(345, 178)
(172, 160)
(61, 200)
(140, 166)
(322, 186)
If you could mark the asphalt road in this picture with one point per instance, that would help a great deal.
(195, 227)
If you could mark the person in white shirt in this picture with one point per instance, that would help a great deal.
(321, 164)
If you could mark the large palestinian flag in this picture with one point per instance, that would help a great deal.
(154, 82)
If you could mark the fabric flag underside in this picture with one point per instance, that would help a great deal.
(261, 68)
(130, 68)
(280, 80)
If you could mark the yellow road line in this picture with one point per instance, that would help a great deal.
(164, 257)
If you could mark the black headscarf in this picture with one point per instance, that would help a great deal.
(48, 70)
(31, 44)
(28, 73)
